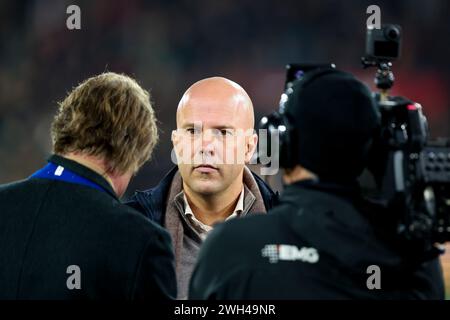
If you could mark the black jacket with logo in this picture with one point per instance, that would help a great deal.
(47, 226)
(316, 244)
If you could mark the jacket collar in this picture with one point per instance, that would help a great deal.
(154, 200)
(84, 172)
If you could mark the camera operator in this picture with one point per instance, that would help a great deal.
(323, 240)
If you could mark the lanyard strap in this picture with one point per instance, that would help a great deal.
(56, 172)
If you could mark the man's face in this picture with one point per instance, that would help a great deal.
(213, 141)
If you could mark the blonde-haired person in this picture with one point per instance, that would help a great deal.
(64, 233)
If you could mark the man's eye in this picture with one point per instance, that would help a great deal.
(226, 132)
(192, 131)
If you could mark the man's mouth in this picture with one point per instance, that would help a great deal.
(206, 168)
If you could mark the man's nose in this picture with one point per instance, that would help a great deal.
(208, 142)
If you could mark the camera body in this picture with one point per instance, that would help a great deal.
(412, 173)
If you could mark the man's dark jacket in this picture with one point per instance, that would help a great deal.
(153, 202)
(46, 226)
(318, 243)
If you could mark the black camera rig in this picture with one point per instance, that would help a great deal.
(412, 173)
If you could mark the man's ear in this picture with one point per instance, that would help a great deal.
(175, 137)
(251, 144)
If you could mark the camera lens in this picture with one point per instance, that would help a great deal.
(392, 33)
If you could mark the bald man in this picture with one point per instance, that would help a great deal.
(211, 183)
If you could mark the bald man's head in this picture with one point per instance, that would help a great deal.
(214, 137)
(218, 94)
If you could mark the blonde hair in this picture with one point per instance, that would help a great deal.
(109, 116)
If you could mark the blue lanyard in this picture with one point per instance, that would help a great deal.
(56, 172)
